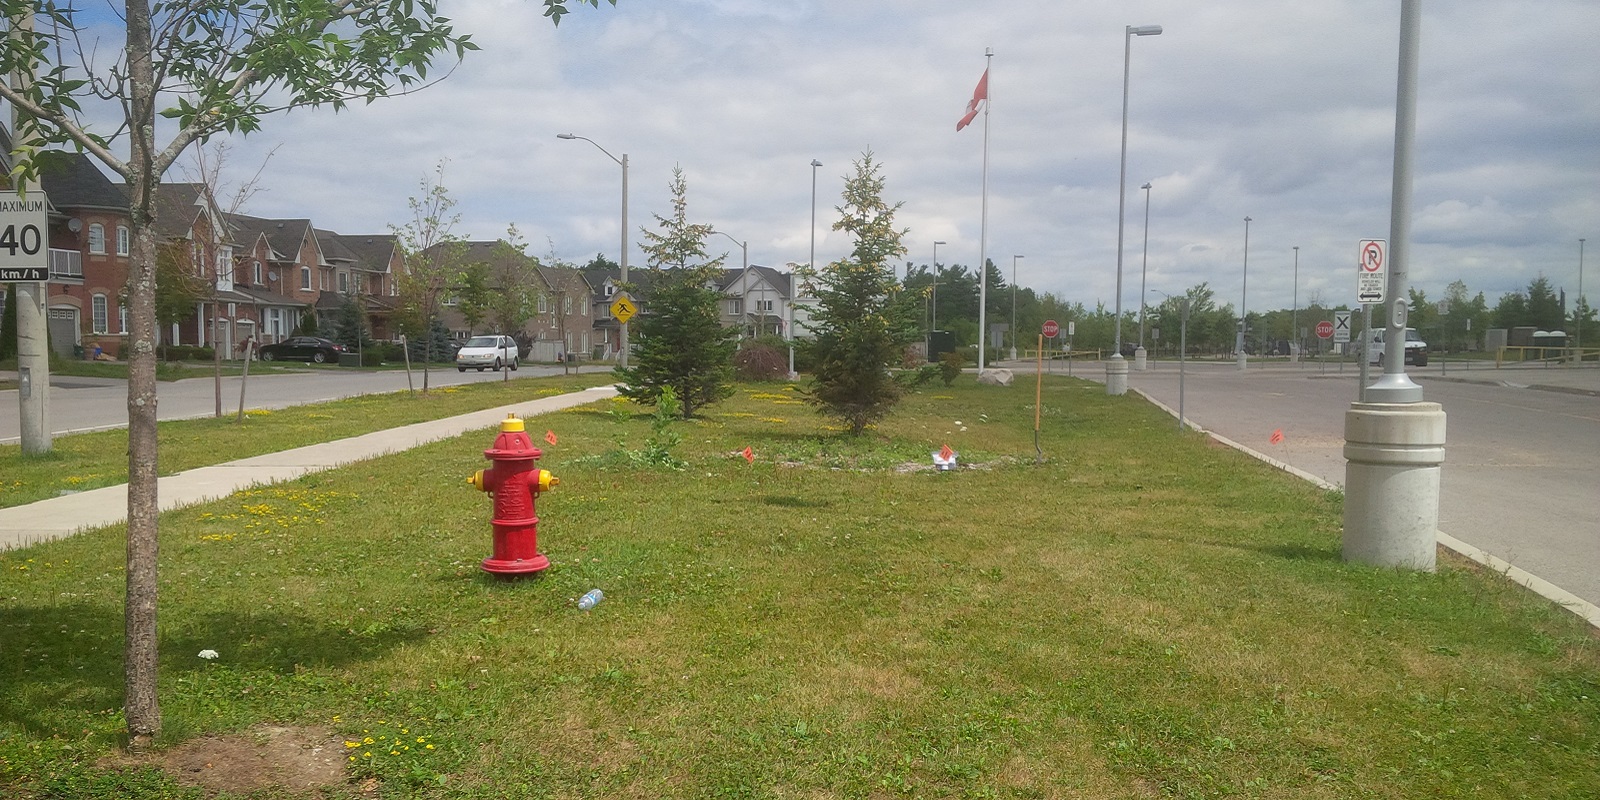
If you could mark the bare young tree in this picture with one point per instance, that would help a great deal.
(435, 259)
(223, 66)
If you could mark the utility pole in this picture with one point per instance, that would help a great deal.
(33, 329)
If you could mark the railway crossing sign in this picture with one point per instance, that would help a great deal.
(1341, 326)
(1372, 271)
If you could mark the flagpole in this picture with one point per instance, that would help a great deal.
(983, 228)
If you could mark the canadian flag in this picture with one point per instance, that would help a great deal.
(979, 95)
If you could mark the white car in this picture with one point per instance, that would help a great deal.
(1416, 349)
(487, 352)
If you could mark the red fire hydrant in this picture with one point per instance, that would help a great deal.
(514, 482)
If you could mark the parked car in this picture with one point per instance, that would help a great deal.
(487, 352)
(315, 349)
(1416, 349)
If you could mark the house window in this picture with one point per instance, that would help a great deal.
(764, 305)
(255, 273)
(344, 283)
(610, 290)
(122, 317)
(544, 304)
(225, 269)
(305, 278)
(97, 238)
(583, 309)
(98, 312)
(735, 307)
(122, 240)
(566, 305)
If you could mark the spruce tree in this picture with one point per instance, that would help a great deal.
(860, 332)
(680, 342)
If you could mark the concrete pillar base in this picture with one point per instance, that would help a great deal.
(1393, 454)
(1139, 363)
(1116, 375)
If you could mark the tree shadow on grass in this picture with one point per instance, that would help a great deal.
(1286, 551)
(64, 662)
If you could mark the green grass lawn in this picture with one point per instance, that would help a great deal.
(1146, 614)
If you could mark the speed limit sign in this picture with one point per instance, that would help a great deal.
(23, 255)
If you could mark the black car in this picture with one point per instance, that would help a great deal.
(302, 348)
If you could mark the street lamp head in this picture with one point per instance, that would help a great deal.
(1144, 30)
(1246, 219)
(1017, 256)
(940, 242)
(566, 136)
(1146, 185)
(815, 163)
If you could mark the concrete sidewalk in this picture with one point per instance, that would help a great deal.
(63, 516)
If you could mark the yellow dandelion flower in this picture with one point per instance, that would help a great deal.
(352, 744)
(430, 747)
(420, 740)
(368, 740)
(367, 754)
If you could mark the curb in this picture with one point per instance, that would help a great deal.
(1587, 611)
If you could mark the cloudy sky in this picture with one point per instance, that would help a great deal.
(1283, 112)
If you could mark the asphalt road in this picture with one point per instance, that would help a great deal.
(86, 404)
(1521, 478)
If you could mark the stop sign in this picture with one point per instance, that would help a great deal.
(1324, 330)
(1051, 329)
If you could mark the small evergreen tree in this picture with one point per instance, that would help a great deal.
(681, 342)
(350, 325)
(860, 331)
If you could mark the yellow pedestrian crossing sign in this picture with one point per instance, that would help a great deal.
(623, 309)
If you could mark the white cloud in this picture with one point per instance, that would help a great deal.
(1279, 112)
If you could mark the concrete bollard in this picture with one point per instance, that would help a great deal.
(1139, 359)
(1393, 453)
(1116, 375)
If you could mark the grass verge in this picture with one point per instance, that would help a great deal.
(1143, 615)
(92, 460)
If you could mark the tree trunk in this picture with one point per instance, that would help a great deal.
(140, 703)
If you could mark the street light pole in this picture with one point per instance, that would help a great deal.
(622, 354)
(1583, 307)
(1294, 314)
(794, 290)
(933, 326)
(744, 287)
(1014, 307)
(1116, 367)
(1144, 268)
(1244, 294)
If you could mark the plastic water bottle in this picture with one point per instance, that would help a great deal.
(590, 599)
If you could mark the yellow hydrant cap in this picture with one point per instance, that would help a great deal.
(511, 424)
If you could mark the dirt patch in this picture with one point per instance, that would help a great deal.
(303, 762)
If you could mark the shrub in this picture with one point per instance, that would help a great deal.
(372, 356)
(950, 365)
(759, 361)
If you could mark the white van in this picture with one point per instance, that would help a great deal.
(1416, 349)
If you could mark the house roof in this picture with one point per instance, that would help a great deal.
(284, 236)
(177, 206)
(782, 282)
(373, 252)
(72, 180)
